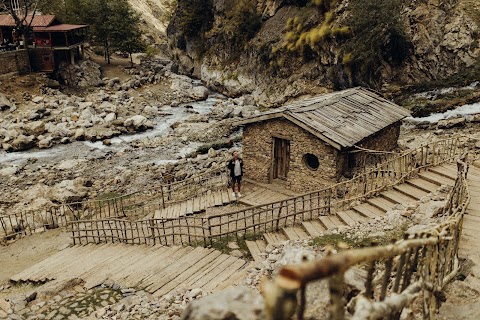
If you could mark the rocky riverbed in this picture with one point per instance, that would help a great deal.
(117, 138)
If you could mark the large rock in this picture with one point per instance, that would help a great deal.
(5, 104)
(67, 192)
(22, 142)
(35, 128)
(9, 171)
(85, 74)
(45, 143)
(137, 122)
(236, 303)
(451, 123)
(199, 93)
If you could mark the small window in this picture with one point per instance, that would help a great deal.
(311, 161)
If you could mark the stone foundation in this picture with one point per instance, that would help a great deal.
(14, 61)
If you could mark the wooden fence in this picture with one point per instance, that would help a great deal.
(418, 266)
(257, 220)
(131, 207)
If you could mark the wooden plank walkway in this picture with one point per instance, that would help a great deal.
(196, 205)
(155, 269)
(405, 194)
(469, 246)
(256, 193)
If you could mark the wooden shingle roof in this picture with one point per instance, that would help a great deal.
(7, 20)
(342, 118)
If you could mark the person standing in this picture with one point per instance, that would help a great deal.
(235, 165)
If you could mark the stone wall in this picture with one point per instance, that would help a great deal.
(14, 61)
(258, 153)
(384, 140)
(258, 150)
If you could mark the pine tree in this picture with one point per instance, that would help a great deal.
(126, 35)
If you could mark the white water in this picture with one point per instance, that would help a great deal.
(464, 110)
(82, 149)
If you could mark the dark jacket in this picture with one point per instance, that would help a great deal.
(231, 167)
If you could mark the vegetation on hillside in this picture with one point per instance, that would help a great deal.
(370, 34)
(194, 21)
(114, 25)
(378, 36)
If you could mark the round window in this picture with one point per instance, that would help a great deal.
(311, 161)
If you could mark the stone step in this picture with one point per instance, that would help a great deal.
(397, 197)
(313, 228)
(422, 184)
(410, 191)
(368, 211)
(274, 238)
(381, 203)
(345, 217)
(436, 178)
(445, 172)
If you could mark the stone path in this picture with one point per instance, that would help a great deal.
(469, 243)
(156, 269)
(406, 193)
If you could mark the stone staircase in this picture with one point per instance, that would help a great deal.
(406, 193)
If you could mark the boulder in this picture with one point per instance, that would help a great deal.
(37, 99)
(199, 93)
(79, 134)
(475, 118)
(22, 142)
(236, 303)
(451, 123)
(5, 104)
(212, 153)
(67, 192)
(150, 110)
(110, 117)
(9, 171)
(45, 143)
(108, 107)
(35, 128)
(136, 122)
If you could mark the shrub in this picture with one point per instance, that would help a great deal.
(378, 36)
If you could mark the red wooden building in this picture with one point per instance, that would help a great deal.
(50, 43)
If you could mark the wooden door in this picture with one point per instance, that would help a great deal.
(281, 158)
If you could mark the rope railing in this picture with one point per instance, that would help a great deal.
(132, 206)
(257, 220)
(418, 266)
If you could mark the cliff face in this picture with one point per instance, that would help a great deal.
(236, 49)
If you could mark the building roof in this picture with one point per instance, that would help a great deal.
(7, 20)
(60, 28)
(341, 119)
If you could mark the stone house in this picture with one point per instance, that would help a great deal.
(312, 143)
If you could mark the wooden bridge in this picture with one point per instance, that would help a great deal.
(401, 194)
(155, 269)
(415, 268)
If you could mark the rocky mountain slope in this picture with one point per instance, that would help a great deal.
(256, 46)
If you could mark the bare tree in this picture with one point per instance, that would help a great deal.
(23, 12)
